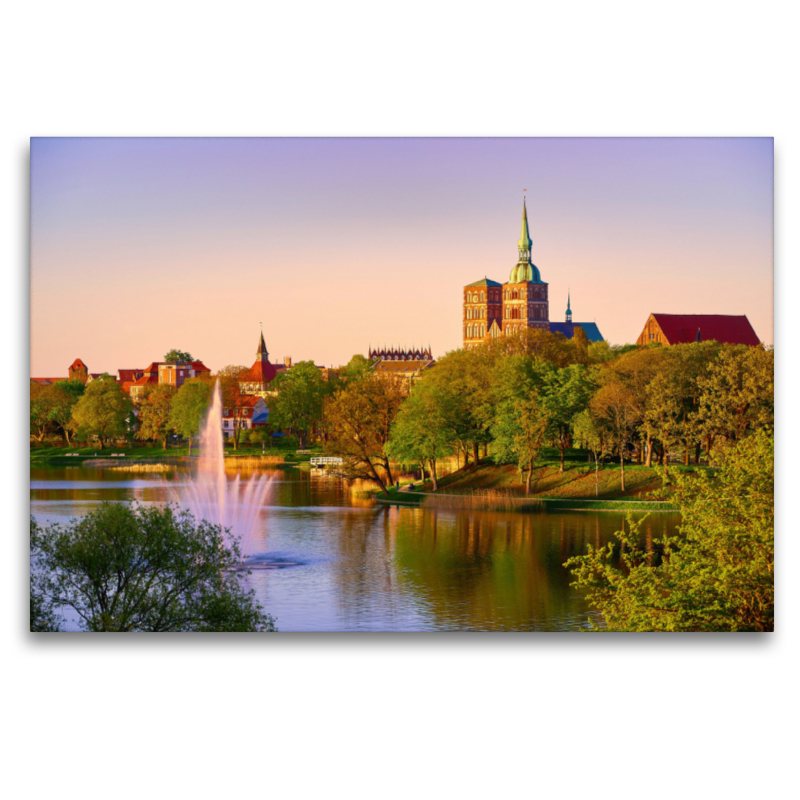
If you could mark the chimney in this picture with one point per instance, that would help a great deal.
(287, 360)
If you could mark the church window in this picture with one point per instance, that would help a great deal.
(483, 297)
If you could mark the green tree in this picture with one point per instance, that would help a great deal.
(421, 431)
(235, 408)
(154, 413)
(717, 576)
(189, 408)
(357, 367)
(565, 392)
(69, 392)
(297, 407)
(738, 393)
(521, 416)
(586, 429)
(358, 420)
(131, 568)
(41, 407)
(103, 410)
(616, 411)
(462, 381)
(178, 357)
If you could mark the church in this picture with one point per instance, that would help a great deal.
(493, 309)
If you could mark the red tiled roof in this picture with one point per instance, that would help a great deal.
(260, 372)
(48, 381)
(199, 366)
(144, 380)
(78, 364)
(686, 328)
(129, 375)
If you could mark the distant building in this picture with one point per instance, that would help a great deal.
(256, 380)
(172, 374)
(567, 328)
(492, 309)
(78, 371)
(251, 412)
(401, 363)
(670, 329)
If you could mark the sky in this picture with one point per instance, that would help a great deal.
(142, 245)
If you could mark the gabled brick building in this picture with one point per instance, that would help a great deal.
(257, 379)
(670, 329)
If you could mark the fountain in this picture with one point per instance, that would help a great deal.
(235, 504)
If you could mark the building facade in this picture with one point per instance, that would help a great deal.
(493, 309)
(670, 329)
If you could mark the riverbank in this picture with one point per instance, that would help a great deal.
(498, 487)
(75, 456)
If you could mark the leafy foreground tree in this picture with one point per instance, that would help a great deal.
(129, 568)
(718, 577)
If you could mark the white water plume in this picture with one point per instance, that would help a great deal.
(233, 504)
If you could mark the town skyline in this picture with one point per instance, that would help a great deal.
(338, 244)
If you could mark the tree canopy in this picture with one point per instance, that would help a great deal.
(189, 407)
(103, 411)
(178, 356)
(297, 406)
(717, 575)
(133, 568)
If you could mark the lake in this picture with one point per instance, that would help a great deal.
(332, 562)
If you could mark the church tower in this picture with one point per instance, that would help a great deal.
(525, 303)
(569, 311)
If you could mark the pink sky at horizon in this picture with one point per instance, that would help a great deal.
(142, 245)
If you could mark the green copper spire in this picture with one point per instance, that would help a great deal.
(524, 242)
(525, 271)
(569, 310)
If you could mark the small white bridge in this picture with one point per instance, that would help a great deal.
(326, 461)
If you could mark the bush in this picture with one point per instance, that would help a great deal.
(129, 568)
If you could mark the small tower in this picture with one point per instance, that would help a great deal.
(569, 311)
(261, 352)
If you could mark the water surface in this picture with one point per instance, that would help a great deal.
(328, 562)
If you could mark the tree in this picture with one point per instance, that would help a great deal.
(358, 420)
(521, 417)
(614, 408)
(738, 393)
(462, 381)
(566, 392)
(189, 408)
(662, 418)
(297, 406)
(580, 346)
(154, 413)
(586, 429)
(420, 432)
(41, 406)
(103, 411)
(357, 367)
(232, 402)
(131, 568)
(68, 394)
(717, 576)
(178, 357)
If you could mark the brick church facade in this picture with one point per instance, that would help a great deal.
(493, 309)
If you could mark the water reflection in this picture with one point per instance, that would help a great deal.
(346, 564)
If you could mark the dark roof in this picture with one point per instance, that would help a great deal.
(129, 375)
(568, 329)
(484, 282)
(686, 328)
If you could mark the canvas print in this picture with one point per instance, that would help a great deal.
(393, 384)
